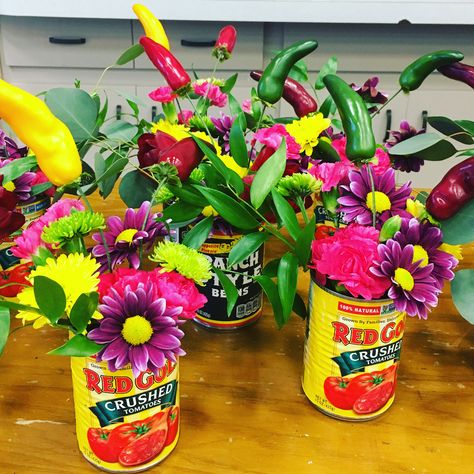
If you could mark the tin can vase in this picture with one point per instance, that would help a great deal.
(351, 355)
(248, 308)
(125, 423)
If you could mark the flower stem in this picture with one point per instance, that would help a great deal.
(300, 203)
(76, 245)
(372, 186)
(258, 126)
(386, 103)
(199, 116)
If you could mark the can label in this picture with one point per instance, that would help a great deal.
(125, 423)
(351, 355)
(248, 307)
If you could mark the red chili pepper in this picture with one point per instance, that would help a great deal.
(225, 43)
(171, 69)
(17, 274)
(453, 192)
(295, 94)
(459, 72)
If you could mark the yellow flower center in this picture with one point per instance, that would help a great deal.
(382, 201)
(419, 253)
(10, 186)
(126, 236)
(137, 330)
(404, 279)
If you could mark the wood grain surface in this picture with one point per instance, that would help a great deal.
(243, 409)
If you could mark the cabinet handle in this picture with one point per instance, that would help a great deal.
(388, 126)
(153, 113)
(197, 43)
(66, 40)
(118, 112)
(424, 117)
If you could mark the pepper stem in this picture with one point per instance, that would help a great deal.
(386, 103)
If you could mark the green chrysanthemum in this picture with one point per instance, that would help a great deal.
(165, 171)
(77, 225)
(197, 174)
(298, 185)
(162, 195)
(186, 261)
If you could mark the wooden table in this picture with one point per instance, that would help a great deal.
(243, 409)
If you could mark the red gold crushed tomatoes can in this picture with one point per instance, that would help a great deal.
(125, 423)
(351, 356)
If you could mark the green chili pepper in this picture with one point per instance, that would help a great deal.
(355, 118)
(271, 86)
(413, 75)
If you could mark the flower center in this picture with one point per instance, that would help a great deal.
(137, 330)
(382, 201)
(126, 235)
(10, 186)
(404, 279)
(419, 253)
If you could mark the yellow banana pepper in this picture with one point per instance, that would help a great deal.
(36, 126)
(152, 26)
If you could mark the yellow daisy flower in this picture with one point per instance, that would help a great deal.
(177, 131)
(454, 250)
(306, 131)
(76, 273)
(232, 164)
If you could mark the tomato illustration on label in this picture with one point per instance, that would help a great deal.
(99, 441)
(323, 231)
(16, 274)
(337, 392)
(374, 399)
(173, 425)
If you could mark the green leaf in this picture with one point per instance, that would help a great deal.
(328, 107)
(199, 233)
(229, 83)
(462, 289)
(286, 214)
(130, 54)
(271, 291)
(135, 188)
(451, 129)
(287, 280)
(18, 306)
(17, 168)
(188, 194)
(460, 228)
(42, 255)
(268, 176)
(271, 268)
(238, 146)
(120, 131)
(76, 108)
(50, 297)
(229, 175)
(299, 71)
(77, 346)
(299, 307)
(180, 213)
(390, 227)
(231, 292)
(40, 188)
(108, 168)
(428, 146)
(230, 209)
(467, 125)
(4, 327)
(422, 197)
(246, 246)
(83, 309)
(103, 112)
(330, 67)
(303, 243)
(236, 111)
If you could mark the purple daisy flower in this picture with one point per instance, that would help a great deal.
(368, 91)
(124, 238)
(138, 329)
(413, 288)
(404, 163)
(21, 186)
(9, 149)
(223, 126)
(357, 198)
(426, 239)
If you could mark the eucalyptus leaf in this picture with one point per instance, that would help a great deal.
(462, 289)
(199, 233)
(17, 168)
(286, 214)
(460, 228)
(467, 125)
(451, 129)
(230, 209)
(287, 280)
(4, 327)
(131, 53)
(77, 346)
(245, 247)
(120, 131)
(416, 144)
(268, 176)
(135, 188)
(330, 67)
(115, 167)
(50, 297)
(271, 291)
(231, 292)
(76, 108)
(83, 309)
(238, 146)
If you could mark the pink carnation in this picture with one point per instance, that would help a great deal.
(163, 94)
(212, 92)
(29, 242)
(185, 116)
(331, 174)
(380, 162)
(272, 136)
(247, 106)
(346, 257)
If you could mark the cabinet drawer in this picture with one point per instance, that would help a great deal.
(379, 48)
(248, 52)
(64, 42)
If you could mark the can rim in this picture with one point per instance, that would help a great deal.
(350, 298)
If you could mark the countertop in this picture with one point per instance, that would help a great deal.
(243, 409)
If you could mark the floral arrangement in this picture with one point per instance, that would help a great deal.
(123, 315)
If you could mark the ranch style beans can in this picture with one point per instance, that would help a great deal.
(125, 423)
(351, 355)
